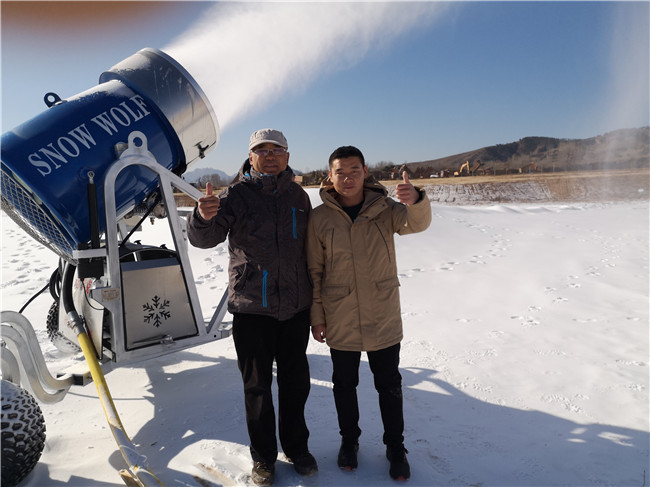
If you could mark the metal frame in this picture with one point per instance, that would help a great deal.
(110, 295)
(21, 356)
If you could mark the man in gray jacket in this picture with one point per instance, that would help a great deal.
(264, 214)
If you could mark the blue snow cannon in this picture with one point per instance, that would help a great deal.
(47, 162)
(82, 169)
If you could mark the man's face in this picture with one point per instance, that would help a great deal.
(271, 164)
(347, 175)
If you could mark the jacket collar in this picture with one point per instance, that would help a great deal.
(267, 183)
(374, 194)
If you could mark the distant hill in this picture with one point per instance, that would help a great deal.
(217, 177)
(202, 175)
(620, 149)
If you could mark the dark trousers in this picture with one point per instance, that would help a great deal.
(384, 365)
(260, 340)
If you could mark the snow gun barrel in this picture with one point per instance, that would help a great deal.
(48, 161)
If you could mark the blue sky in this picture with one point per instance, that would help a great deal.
(463, 76)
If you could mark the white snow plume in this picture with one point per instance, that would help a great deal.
(630, 68)
(245, 56)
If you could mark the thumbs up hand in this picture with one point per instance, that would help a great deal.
(406, 192)
(209, 204)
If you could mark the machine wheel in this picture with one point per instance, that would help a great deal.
(60, 341)
(23, 433)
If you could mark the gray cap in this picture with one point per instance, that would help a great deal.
(268, 135)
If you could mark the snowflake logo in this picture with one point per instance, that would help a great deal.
(156, 311)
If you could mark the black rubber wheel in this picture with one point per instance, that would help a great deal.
(23, 433)
(60, 341)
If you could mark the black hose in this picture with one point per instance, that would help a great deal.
(55, 283)
(38, 293)
(52, 287)
(75, 322)
(66, 287)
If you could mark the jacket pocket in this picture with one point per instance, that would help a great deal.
(388, 283)
(298, 224)
(265, 277)
(294, 223)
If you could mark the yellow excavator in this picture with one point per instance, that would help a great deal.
(463, 168)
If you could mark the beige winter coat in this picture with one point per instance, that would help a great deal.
(353, 267)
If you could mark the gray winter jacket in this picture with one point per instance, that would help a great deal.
(265, 220)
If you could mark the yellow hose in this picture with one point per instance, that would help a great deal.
(143, 476)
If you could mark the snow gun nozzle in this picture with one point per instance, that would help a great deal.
(46, 160)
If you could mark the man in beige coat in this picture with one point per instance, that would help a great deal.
(356, 306)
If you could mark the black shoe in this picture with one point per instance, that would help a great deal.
(399, 465)
(263, 473)
(347, 459)
(305, 464)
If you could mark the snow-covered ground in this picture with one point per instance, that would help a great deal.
(525, 363)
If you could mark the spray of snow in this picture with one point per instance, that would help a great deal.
(245, 56)
(630, 67)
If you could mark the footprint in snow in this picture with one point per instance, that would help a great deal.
(526, 320)
(410, 272)
(585, 320)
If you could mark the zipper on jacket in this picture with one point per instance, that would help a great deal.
(295, 223)
(331, 250)
(265, 275)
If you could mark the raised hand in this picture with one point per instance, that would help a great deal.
(208, 204)
(406, 192)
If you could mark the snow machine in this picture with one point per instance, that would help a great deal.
(81, 178)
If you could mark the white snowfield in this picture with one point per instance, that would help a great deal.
(524, 363)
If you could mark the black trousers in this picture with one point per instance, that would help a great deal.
(384, 365)
(259, 341)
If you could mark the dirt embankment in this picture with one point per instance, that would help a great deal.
(578, 186)
(587, 186)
